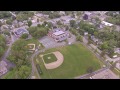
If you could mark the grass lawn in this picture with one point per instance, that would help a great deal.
(77, 59)
(9, 75)
(49, 58)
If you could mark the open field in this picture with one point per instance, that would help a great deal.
(77, 59)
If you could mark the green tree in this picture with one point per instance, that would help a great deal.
(2, 45)
(6, 32)
(24, 36)
(29, 23)
(9, 21)
(90, 69)
(23, 72)
(72, 23)
(79, 38)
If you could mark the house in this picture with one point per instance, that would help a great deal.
(3, 68)
(58, 34)
(66, 19)
(85, 33)
(62, 13)
(94, 39)
(20, 31)
(41, 15)
(87, 15)
(114, 56)
(106, 23)
(5, 27)
(15, 23)
(20, 24)
(2, 21)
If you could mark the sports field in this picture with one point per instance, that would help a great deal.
(49, 58)
(77, 59)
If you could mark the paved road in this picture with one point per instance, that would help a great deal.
(86, 76)
(9, 64)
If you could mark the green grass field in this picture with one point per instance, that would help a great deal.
(77, 59)
(49, 58)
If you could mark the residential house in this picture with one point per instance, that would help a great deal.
(95, 40)
(62, 13)
(66, 19)
(20, 31)
(106, 23)
(87, 15)
(15, 23)
(20, 24)
(2, 21)
(85, 33)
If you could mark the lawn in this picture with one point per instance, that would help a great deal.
(77, 59)
(49, 58)
(9, 75)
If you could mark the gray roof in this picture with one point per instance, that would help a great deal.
(21, 31)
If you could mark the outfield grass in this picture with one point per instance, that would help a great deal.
(77, 59)
(49, 58)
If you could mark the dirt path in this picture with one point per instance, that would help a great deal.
(57, 63)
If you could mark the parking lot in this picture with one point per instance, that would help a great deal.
(49, 42)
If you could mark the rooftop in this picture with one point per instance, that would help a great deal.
(106, 23)
(58, 33)
(21, 31)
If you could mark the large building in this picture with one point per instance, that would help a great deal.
(20, 31)
(58, 34)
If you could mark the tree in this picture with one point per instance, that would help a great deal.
(4, 14)
(38, 32)
(73, 31)
(29, 23)
(104, 46)
(85, 17)
(24, 36)
(38, 25)
(79, 38)
(72, 23)
(38, 20)
(23, 72)
(9, 21)
(59, 22)
(6, 32)
(1, 51)
(2, 45)
(96, 34)
(90, 69)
